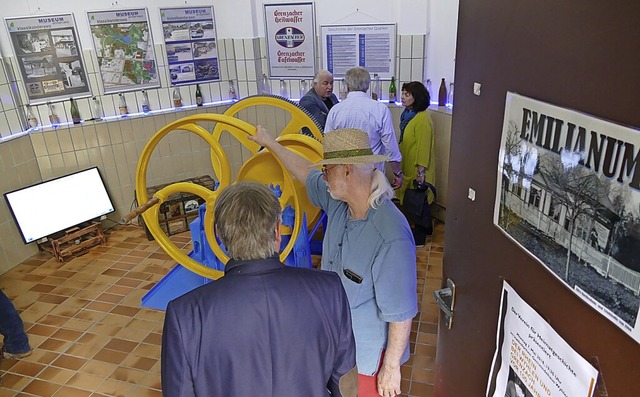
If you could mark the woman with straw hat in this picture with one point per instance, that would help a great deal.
(369, 244)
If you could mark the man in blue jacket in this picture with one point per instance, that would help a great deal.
(320, 98)
(264, 329)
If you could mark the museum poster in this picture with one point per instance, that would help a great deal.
(190, 44)
(47, 51)
(372, 46)
(291, 35)
(531, 359)
(124, 49)
(568, 192)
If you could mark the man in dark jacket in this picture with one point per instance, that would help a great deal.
(264, 329)
(320, 98)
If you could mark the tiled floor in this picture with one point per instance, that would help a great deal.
(91, 337)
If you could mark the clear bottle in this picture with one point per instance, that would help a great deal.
(53, 117)
(97, 109)
(283, 89)
(123, 105)
(392, 90)
(233, 95)
(375, 88)
(442, 93)
(146, 108)
(265, 87)
(31, 117)
(199, 100)
(303, 88)
(177, 98)
(75, 113)
(450, 97)
(427, 85)
(343, 90)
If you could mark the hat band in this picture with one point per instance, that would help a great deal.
(348, 153)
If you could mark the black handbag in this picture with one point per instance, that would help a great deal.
(416, 204)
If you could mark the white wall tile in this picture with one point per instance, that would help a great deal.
(249, 49)
(417, 47)
(416, 69)
(405, 70)
(238, 45)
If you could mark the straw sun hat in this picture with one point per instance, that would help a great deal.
(348, 146)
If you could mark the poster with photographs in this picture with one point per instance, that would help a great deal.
(568, 192)
(531, 359)
(48, 54)
(290, 31)
(124, 50)
(191, 46)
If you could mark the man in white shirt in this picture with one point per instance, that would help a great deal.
(359, 111)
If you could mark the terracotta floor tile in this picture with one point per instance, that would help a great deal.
(67, 391)
(69, 362)
(112, 387)
(27, 368)
(54, 345)
(121, 345)
(85, 381)
(99, 368)
(56, 375)
(110, 356)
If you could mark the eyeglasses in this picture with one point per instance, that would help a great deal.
(325, 170)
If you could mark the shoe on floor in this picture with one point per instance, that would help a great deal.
(15, 356)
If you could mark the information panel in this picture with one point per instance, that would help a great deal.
(372, 46)
(124, 49)
(191, 46)
(49, 57)
(290, 32)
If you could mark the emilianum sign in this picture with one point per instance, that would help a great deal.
(568, 192)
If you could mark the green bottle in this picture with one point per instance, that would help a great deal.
(392, 90)
(199, 101)
(75, 113)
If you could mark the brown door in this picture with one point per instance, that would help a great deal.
(577, 54)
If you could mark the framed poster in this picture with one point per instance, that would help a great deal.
(124, 50)
(568, 192)
(48, 53)
(290, 31)
(190, 43)
(372, 46)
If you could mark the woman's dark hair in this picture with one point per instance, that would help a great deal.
(419, 93)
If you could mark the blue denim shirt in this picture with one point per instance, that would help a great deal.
(380, 249)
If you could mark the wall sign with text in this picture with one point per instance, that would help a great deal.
(48, 53)
(124, 49)
(290, 34)
(190, 43)
(372, 46)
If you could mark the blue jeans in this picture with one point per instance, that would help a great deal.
(12, 328)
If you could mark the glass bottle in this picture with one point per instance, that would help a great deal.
(199, 100)
(442, 93)
(450, 97)
(375, 88)
(123, 105)
(427, 85)
(303, 88)
(97, 109)
(177, 98)
(75, 113)
(283, 89)
(392, 90)
(343, 90)
(31, 117)
(233, 95)
(146, 108)
(266, 88)
(53, 117)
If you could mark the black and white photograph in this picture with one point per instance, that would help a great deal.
(41, 66)
(567, 192)
(201, 30)
(205, 50)
(64, 43)
(32, 43)
(207, 69)
(515, 386)
(179, 52)
(182, 72)
(73, 74)
(176, 31)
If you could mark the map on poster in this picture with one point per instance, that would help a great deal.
(124, 50)
(48, 54)
(191, 46)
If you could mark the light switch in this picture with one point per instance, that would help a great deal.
(472, 194)
(476, 88)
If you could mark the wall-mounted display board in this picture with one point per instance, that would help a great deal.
(372, 46)
(568, 192)
(124, 49)
(190, 43)
(48, 54)
(290, 30)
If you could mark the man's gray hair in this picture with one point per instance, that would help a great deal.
(357, 79)
(246, 217)
(381, 190)
(319, 73)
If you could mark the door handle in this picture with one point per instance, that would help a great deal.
(448, 294)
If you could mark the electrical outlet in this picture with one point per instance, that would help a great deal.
(476, 88)
(472, 195)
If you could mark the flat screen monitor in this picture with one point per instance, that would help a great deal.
(49, 207)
